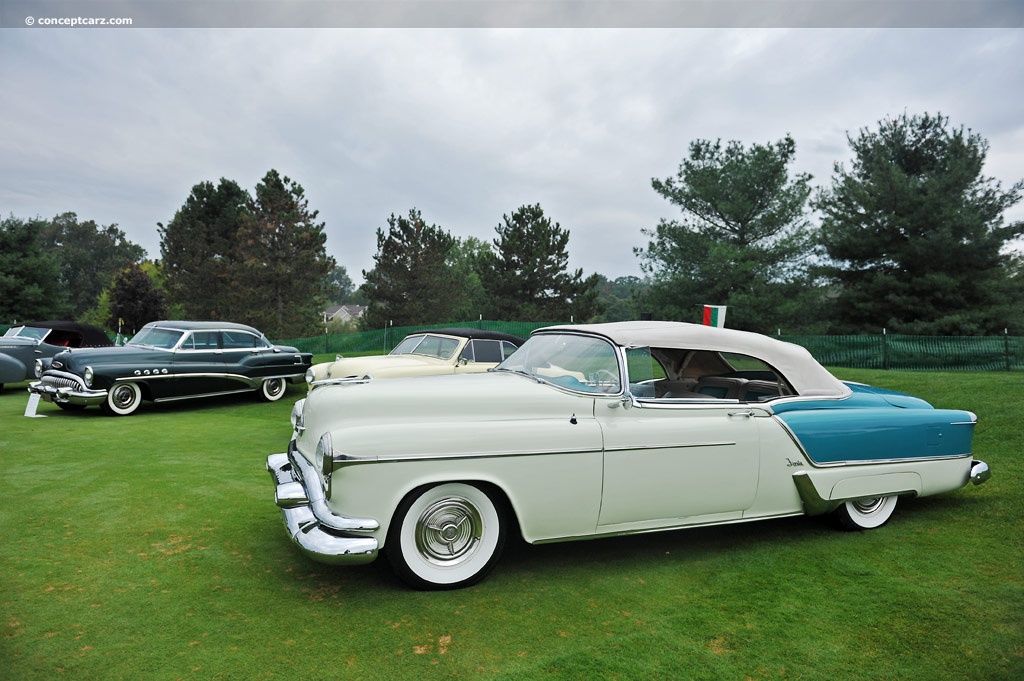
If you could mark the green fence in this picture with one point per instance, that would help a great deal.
(883, 351)
(916, 353)
(383, 340)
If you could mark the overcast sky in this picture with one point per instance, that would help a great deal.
(466, 124)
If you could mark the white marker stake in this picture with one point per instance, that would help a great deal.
(30, 408)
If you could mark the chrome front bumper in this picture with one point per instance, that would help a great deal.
(66, 391)
(319, 533)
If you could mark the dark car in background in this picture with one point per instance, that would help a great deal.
(23, 344)
(172, 360)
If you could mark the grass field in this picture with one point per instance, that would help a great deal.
(149, 547)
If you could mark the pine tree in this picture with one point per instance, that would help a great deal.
(743, 239)
(281, 284)
(915, 232)
(198, 249)
(412, 281)
(526, 277)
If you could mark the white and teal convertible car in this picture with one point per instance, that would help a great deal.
(602, 430)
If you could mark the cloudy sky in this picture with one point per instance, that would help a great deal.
(467, 124)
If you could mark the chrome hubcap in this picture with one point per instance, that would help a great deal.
(868, 506)
(448, 531)
(123, 396)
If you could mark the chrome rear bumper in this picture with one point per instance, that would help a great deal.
(980, 472)
(320, 534)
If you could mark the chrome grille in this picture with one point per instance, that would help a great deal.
(63, 382)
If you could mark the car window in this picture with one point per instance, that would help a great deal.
(672, 373)
(437, 346)
(239, 340)
(569, 360)
(156, 337)
(201, 340)
(507, 349)
(407, 345)
(33, 332)
(480, 350)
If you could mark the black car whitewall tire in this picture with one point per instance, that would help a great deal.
(272, 389)
(865, 514)
(446, 537)
(122, 399)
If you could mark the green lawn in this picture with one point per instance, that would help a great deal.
(149, 547)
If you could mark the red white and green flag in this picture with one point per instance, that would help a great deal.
(714, 315)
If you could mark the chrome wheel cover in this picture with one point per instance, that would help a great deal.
(448, 531)
(123, 396)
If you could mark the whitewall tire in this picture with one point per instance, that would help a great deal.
(446, 537)
(272, 389)
(865, 514)
(122, 399)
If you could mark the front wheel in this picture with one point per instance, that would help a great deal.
(122, 399)
(865, 514)
(272, 389)
(446, 537)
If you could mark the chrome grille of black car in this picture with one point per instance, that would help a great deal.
(63, 382)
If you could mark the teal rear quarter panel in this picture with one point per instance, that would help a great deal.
(876, 425)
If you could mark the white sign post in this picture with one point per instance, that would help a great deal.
(30, 408)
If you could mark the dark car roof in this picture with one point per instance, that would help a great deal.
(202, 326)
(473, 333)
(92, 336)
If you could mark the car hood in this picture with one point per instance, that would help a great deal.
(77, 359)
(359, 414)
(360, 366)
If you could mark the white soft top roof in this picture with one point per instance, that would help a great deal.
(792, 361)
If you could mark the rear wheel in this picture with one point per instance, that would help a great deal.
(122, 399)
(865, 514)
(446, 537)
(272, 389)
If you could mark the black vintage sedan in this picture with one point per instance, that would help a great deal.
(171, 360)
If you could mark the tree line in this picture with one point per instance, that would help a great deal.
(911, 237)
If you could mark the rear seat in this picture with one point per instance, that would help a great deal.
(721, 388)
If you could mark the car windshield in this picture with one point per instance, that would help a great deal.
(33, 332)
(157, 338)
(569, 360)
(427, 345)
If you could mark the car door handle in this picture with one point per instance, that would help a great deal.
(746, 413)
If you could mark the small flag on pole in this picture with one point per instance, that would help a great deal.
(714, 315)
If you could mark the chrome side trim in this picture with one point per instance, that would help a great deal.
(686, 445)
(341, 459)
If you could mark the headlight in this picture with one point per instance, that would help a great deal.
(324, 457)
(87, 375)
(38, 368)
(310, 375)
(298, 422)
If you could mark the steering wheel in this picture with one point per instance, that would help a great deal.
(606, 380)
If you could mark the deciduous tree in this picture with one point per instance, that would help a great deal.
(30, 285)
(90, 255)
(135, 300)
